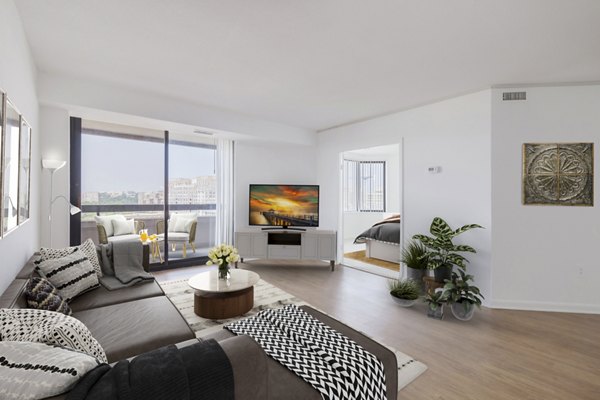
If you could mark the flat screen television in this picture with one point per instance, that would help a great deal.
(284, 205)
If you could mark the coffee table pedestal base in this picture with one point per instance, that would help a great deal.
(223, 305)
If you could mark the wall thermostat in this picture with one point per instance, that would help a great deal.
(434, 170)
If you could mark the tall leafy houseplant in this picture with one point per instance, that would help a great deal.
(443, 254)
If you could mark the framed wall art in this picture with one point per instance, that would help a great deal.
(558, 174)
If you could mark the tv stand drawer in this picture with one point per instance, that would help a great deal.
(285, 252)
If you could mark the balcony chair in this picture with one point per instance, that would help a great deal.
(103, 238)
(184, 237)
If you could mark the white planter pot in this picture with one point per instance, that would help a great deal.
(404, 302)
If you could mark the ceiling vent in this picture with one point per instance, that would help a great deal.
(509, 96)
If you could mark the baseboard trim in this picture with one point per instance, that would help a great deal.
(545, 306)
(381, 271)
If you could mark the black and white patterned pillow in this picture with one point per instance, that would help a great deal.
(88, 248)
(38, 371)
(50, 327)
(72, 274)
(41, 294)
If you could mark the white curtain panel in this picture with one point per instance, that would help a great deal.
(225, 200)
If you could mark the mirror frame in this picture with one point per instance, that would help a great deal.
(2, 114)
(6, 229)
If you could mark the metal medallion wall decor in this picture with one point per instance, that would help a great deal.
(558, 174)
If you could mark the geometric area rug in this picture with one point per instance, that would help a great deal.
(267, 296)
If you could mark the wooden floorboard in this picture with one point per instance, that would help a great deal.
(500, 354)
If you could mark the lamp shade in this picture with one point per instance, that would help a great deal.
(53, 165)
(74, 210)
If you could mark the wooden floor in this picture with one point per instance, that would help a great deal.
(362, 256)
(500, 354)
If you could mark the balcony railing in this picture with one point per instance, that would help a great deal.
(150, 214)
(105, 208)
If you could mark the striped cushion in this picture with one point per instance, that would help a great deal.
(38, 371)
(50, 327)
(88, 248)
(72, 275)
(42, 295)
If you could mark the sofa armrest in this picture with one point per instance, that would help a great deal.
(249, 363)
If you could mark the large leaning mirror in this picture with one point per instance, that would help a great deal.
(10, 168)
(24, 167)
(2, 112)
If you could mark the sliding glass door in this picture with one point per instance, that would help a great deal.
(192, 197)
(164, 183)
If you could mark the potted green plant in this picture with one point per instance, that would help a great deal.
(443, 254)
(415, 257)
(462, 296)
(436, 301)
(404, 292)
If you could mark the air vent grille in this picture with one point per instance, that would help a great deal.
(509, 96)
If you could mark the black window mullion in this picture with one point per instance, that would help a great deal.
(166, 198)
(75, 180)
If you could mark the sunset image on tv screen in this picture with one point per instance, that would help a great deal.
(284, 205)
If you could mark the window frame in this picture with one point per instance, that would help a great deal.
(361, 200)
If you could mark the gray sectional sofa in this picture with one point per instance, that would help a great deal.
(141, 318)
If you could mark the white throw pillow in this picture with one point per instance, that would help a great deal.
(183, 223)
(72, 275)
(106, 222)
(38, 370)
(126, 227)
(88, 248)
(173, 222)
(50, 327)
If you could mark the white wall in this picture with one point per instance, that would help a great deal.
(81, 96)
(270, 163)
(544, 256)
(17, 78)
(454, 134)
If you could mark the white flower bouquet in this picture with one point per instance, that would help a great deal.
(223, 255)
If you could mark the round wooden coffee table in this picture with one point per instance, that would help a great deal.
(216, 298)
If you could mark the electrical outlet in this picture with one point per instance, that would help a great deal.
(580, 271)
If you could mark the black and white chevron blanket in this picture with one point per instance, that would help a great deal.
(333, 364)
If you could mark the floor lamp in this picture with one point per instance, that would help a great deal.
(53, 166)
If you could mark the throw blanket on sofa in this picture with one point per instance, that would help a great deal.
(331, 363)
(122, 264)
(199, 371)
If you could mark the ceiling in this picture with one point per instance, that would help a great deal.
(315, 63)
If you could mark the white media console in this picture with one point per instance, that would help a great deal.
(287, 244)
